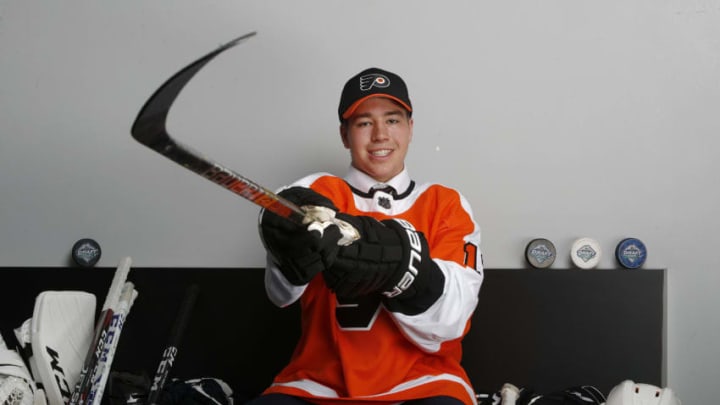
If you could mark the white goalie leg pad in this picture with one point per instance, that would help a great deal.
(61, 331)
(22, 334)
(16, 383)
(40, 398)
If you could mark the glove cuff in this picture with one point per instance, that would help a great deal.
(420, 282)
(421, 300)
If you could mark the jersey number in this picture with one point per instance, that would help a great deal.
(471, 251)
(357, 314)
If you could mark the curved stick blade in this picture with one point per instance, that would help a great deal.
(149, 126)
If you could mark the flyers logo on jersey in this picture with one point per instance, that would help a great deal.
(377, 80)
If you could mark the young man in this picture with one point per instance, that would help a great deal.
(382, 317)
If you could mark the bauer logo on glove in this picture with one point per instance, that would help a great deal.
(414, 260)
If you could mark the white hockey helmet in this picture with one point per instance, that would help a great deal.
(632, 393)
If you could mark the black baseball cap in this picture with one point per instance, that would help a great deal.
(372, 82)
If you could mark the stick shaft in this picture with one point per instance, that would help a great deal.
(170, 352)
(230, 180)
(102, 373)
(101, 332)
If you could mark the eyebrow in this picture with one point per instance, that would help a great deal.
(389, 113)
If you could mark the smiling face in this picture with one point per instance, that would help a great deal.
(378, 135)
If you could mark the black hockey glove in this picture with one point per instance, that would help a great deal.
(392, 258)
(299, 252)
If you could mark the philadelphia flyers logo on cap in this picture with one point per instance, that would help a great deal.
(378, 80)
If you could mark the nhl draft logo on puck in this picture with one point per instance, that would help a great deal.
(585, 253)
(631, 253)
(540, 253)
(86, 252)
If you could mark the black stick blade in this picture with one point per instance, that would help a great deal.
(149, 126)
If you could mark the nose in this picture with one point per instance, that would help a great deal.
(380, 132)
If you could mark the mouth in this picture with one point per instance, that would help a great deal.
(380, 152)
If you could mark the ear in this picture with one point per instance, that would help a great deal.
(344, 135)
(411, 122)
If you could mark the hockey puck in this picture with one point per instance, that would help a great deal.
(631, 253)
(585, 253)
(540, 253)
(86, 252)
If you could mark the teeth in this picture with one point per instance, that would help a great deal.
(383, 152)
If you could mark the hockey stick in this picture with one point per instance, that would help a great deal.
(176, 334)
(101, 331)
(150, 130)
(102, 373)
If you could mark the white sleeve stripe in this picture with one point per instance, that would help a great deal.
(311, 387)
(280, 291)
(448, 316)
(322, 391)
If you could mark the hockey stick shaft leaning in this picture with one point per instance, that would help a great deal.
(170, 352)
(150, 130)
(102, 372)
(100, 333)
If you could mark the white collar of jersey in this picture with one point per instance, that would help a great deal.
(363, 182)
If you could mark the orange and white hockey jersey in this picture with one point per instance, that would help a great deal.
(360, 352)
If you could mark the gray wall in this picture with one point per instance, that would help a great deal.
(556, 119)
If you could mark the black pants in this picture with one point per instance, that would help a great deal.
(282, 399)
